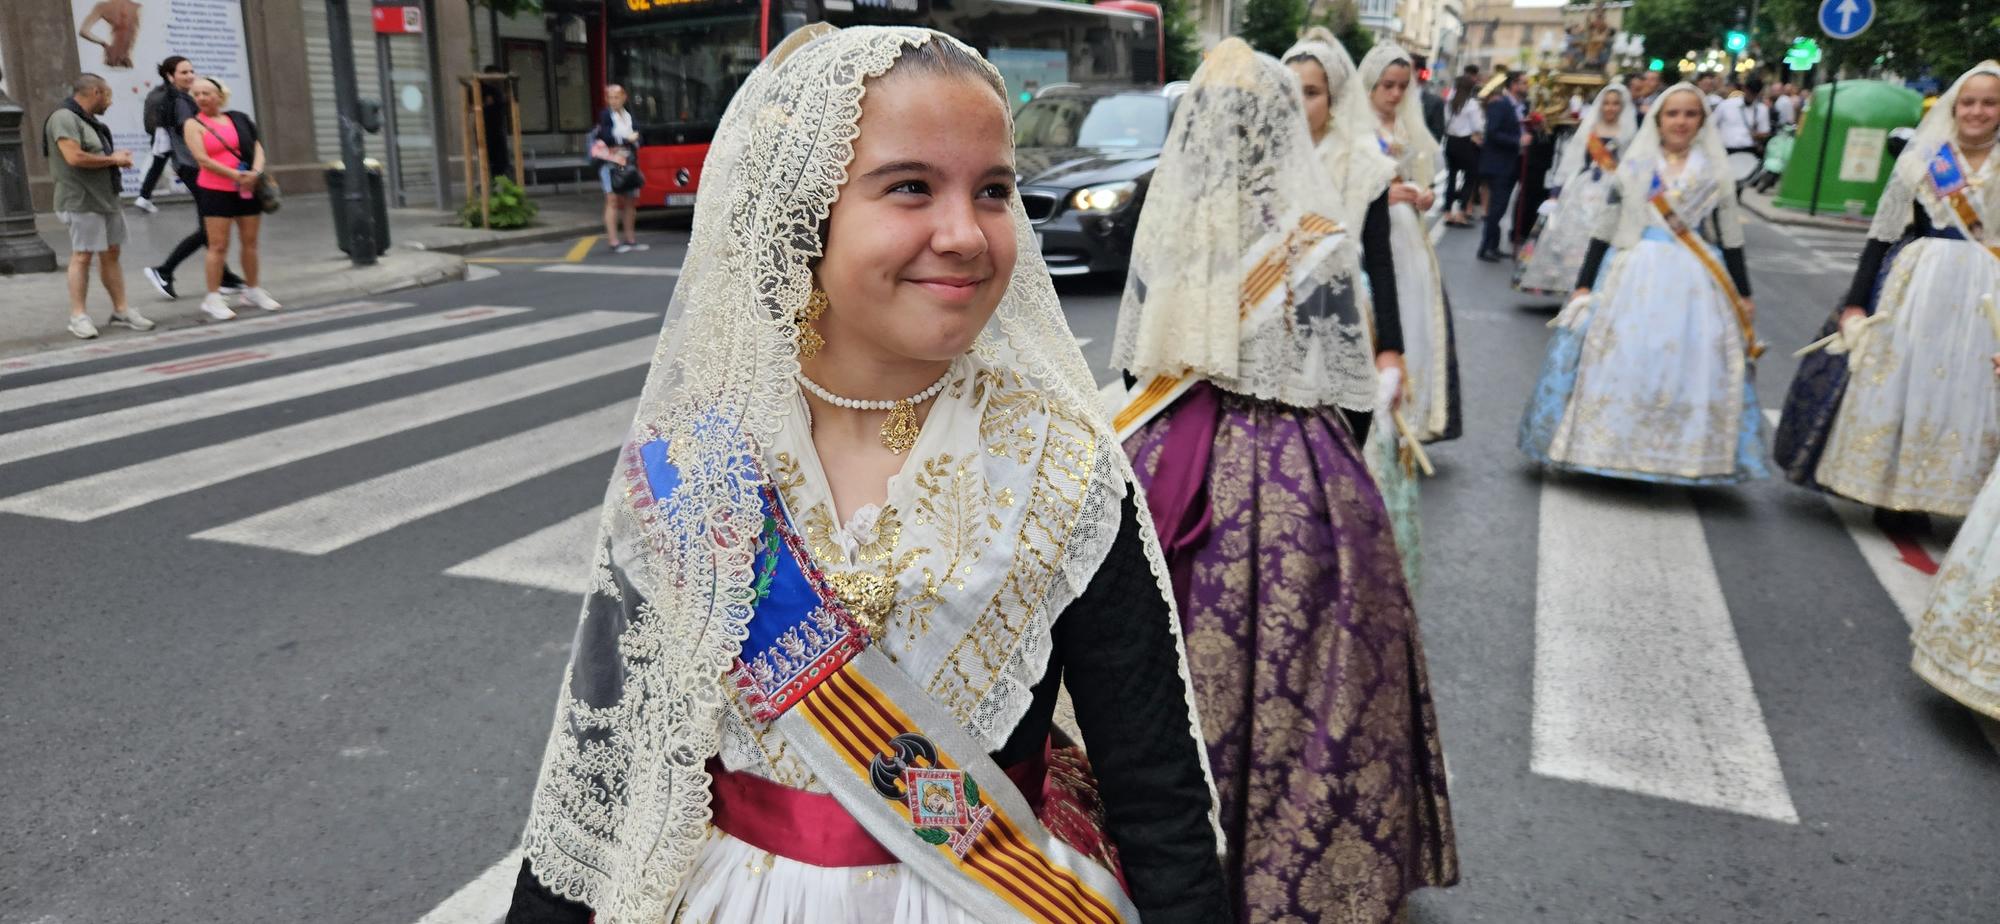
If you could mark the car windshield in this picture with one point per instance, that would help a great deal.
(1130, 121)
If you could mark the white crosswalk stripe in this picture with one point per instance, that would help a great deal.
(334, 520)
(74, 432)
(1639, 682)
(206, 333)
(599, 269)
(552, 558)
(69, 389)
(109, 492)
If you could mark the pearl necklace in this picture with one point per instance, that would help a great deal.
(899, 430)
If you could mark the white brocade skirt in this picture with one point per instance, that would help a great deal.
(1956, 643)
(735, 883)
(1426, 332)
(1919, 425)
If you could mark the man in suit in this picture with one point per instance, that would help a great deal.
(1500, 158)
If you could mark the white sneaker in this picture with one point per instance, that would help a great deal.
(213, 306)
(131, 318)
(79, 324)
(146, 205)
(636, 246)
(259, 298)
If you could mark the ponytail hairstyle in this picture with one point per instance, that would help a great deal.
(168, 65)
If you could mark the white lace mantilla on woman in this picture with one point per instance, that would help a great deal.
(1262, 343)
(1919, 424)
(1561, 239)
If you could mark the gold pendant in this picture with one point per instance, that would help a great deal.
(869, 598)
(899, 431)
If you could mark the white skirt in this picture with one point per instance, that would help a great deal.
(735, 883)
(1660, 381)
(1956, 643)
(1919, 425)
(1426, 338)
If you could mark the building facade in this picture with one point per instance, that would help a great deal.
(278, 62)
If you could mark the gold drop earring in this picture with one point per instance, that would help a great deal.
(810, 342)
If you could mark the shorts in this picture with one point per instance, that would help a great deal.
(604, 178)
(94, 232)
(216, 203)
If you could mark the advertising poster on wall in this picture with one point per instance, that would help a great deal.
(125, 40)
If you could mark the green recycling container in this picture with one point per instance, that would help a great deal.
(1854, 158)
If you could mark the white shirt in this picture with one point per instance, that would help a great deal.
(1739, 123)
(1468, 121)
(621, 126)
(1787, 108)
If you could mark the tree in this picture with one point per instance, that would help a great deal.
(1945, 37)
(1343, 19)
(1675, 27)
(1271, 26)
(1183, 45)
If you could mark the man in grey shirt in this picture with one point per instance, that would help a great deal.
(85, 170)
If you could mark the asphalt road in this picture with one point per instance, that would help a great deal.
(207, 717)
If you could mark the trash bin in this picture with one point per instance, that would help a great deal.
(378, 204)
(1856, 157)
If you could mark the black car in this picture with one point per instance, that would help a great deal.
(1085, 156)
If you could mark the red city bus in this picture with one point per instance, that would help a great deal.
(681, 60)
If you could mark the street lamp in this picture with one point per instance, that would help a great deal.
(21, 249)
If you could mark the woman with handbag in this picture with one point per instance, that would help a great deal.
(614, 145)
(231, 190)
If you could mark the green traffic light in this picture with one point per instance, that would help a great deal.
(1027, 96)
(1735, 41)
(1657, 65)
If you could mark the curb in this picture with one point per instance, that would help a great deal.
(1764, 208)
(424, 269)
(534, 234)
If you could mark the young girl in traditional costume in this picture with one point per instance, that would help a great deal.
(1243, 321)
(1377, 106)
(869, 519)
(1898, 411)
(1584, 176)
(1648, 376)
(1363, 177)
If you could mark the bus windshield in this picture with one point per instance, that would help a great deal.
(680, 74)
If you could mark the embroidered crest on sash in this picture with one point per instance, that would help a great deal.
(945, 807)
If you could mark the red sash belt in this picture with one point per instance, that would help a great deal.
(811, 827)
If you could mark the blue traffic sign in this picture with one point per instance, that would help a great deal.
(1845, 19)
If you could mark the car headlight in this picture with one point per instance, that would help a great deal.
(1109, 197)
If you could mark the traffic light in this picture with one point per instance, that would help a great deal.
(1735, 40)
(1657, 65)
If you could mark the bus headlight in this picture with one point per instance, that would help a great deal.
(1109, 197)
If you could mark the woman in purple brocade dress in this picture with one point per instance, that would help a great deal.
(1242, 328)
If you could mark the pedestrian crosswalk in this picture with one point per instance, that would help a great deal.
(48, 414)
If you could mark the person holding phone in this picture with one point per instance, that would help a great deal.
(225, 146)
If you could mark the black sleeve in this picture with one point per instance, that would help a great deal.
(535, 904)
(1738, 273)
(1868, 265)
(1123, 675)
(1592, 259)
(1380, 265)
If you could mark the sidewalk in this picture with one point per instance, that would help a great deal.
(301, 266)
(1760, 205)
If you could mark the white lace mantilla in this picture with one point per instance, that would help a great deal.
(1241, 273)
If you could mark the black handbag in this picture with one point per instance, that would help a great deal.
(627, 178)
(269, 197)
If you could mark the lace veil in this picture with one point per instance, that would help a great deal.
(1576, 151)
(1358, 168)
(621, 806)
(1419, 151)
(1240, 274)
(1642, 161)
(1909, 181)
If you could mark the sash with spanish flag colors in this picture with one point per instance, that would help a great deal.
(896, 760)
(1949, 179)
(1663, 204)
